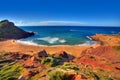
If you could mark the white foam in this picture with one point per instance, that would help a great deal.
(52, 40)
(62, 41)
(89, 43)
(89, 37)
(26, 42)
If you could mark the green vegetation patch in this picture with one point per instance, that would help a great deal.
(69, 66)
(51, 61)
(10, 72)
(6, 61)
(116, 47)
(88, 73)
(4, 53)
(58, 75)
(104, 75)
(2, 24)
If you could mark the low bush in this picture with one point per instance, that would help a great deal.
(10, 72)
(117, 47)
(69, 66)
(58, 75)
(51, 61)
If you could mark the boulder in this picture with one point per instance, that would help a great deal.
(42, 53)
(64, 54)
(32, 73)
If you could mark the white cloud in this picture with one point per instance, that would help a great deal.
(60, 23)
(54, 23)
(63, 23)
(19, 23)
(48, 23)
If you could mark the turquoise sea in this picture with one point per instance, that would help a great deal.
(65, 35)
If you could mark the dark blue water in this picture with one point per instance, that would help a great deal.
(66, 35)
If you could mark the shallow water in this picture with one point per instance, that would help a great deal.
(66, 35)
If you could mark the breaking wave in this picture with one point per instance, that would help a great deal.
(52, 40)
(26, 42)
(89, 43)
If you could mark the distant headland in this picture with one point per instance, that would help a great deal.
(8, 30)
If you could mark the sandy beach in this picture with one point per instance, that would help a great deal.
(13, 46)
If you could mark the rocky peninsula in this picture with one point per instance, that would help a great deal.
(8, 30)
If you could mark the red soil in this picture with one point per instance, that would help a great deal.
(104, 52)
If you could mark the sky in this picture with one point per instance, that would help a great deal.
(61, 12)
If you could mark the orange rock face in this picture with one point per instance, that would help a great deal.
(78, 77)
(104, 52)
(110, 40)
(32, 62)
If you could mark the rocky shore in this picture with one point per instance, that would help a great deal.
(109, 40)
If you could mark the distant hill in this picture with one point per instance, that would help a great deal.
(9, 31)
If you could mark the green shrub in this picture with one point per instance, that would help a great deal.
(2, 24)
(93, 75)
(51, 61)
(4, 53)
(6, 61)
(46, 61)
(104, 75)
(88, 73)
(69, 66)
(10, 72)
(58, 75)
(58, 57)
(117, 47)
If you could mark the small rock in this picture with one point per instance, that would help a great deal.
(43, 53)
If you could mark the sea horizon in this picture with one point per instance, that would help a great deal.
(66, 26)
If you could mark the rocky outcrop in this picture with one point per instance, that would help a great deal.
(108, 40)
(9, 31)
(65, 55)
(104, 52)
(42, 53)
(31, 63)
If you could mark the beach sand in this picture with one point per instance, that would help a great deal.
(13, 46)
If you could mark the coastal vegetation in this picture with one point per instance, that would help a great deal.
(10, 72)
(116, 47)
(17, 66)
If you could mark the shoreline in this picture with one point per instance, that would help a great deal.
(13, 46)
(75, 50)
(87, 43)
